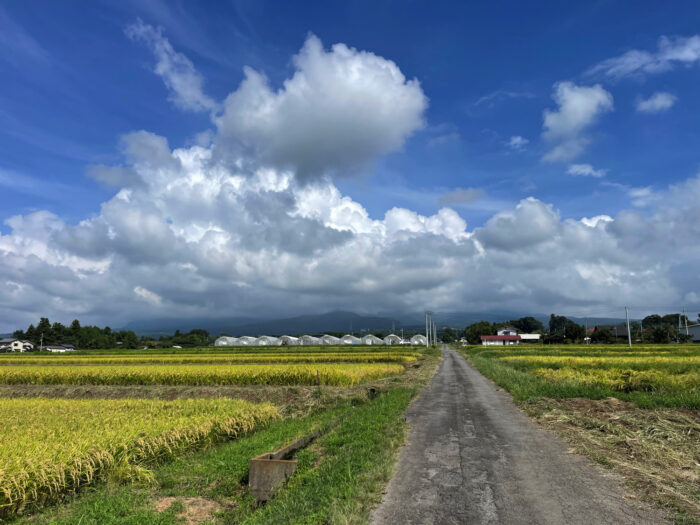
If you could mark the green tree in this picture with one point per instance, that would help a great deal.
(574, 331)
(474, 331)
(602, 335)
(557, 324)
(448, 335)
(528, 325)
(661, 334)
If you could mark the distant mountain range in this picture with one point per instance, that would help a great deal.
(338, 321)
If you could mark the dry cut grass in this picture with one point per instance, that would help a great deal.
(656, 450)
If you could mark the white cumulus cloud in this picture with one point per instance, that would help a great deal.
(340, 109)
(193, 232)
(656, 103)
(585, 170)
(579, 107)
(517, 142)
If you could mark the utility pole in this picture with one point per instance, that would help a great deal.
(428, 327)
(41, 343)
(434, 334)
(629, 336)
(585, 323)
(685, 320)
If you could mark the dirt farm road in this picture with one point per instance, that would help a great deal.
(473, 457)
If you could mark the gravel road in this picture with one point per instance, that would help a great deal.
(473, 457)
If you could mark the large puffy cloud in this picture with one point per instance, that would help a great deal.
(579, 108)
(194, 232)
(339, 110)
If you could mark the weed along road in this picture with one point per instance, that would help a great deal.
(473, 457)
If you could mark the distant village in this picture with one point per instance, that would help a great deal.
(671, 328)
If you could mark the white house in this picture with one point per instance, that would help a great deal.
(500, 340)
(15, 345)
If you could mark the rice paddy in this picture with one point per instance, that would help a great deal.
(52, 446)
(647, 375)
(340, 374)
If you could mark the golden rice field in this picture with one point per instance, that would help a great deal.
(336, 374)
(53, 446)
(662, 375)
(271, 357)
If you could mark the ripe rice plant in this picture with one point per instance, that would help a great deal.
(273, 374)
(53, 446)
(345, 357)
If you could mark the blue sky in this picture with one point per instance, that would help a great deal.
(619, 82)
(74, 83)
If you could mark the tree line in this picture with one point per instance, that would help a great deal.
(560, 329)
(94, 337)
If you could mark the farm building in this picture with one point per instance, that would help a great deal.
(372, 340)
(694, 331)
(419, 340)
(329, 340)
(15, 345)
(507, 330)
(266, 340)
(500, 340)
(288, 340)
(530, 338)
(392, 339)
(350, 340)
(309, 340)
(60, 349)
(226, 341)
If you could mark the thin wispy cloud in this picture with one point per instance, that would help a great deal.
(670, 52)
(185, 83)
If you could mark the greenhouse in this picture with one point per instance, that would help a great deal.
(266, 340)
(329, 340)
(310, 340)
(288, 340)
(372, 340)
(419, 340)
(392, 339)
(246, 340)
(350, 340)
(226, 341)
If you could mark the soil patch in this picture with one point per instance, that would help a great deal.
(196, 510)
